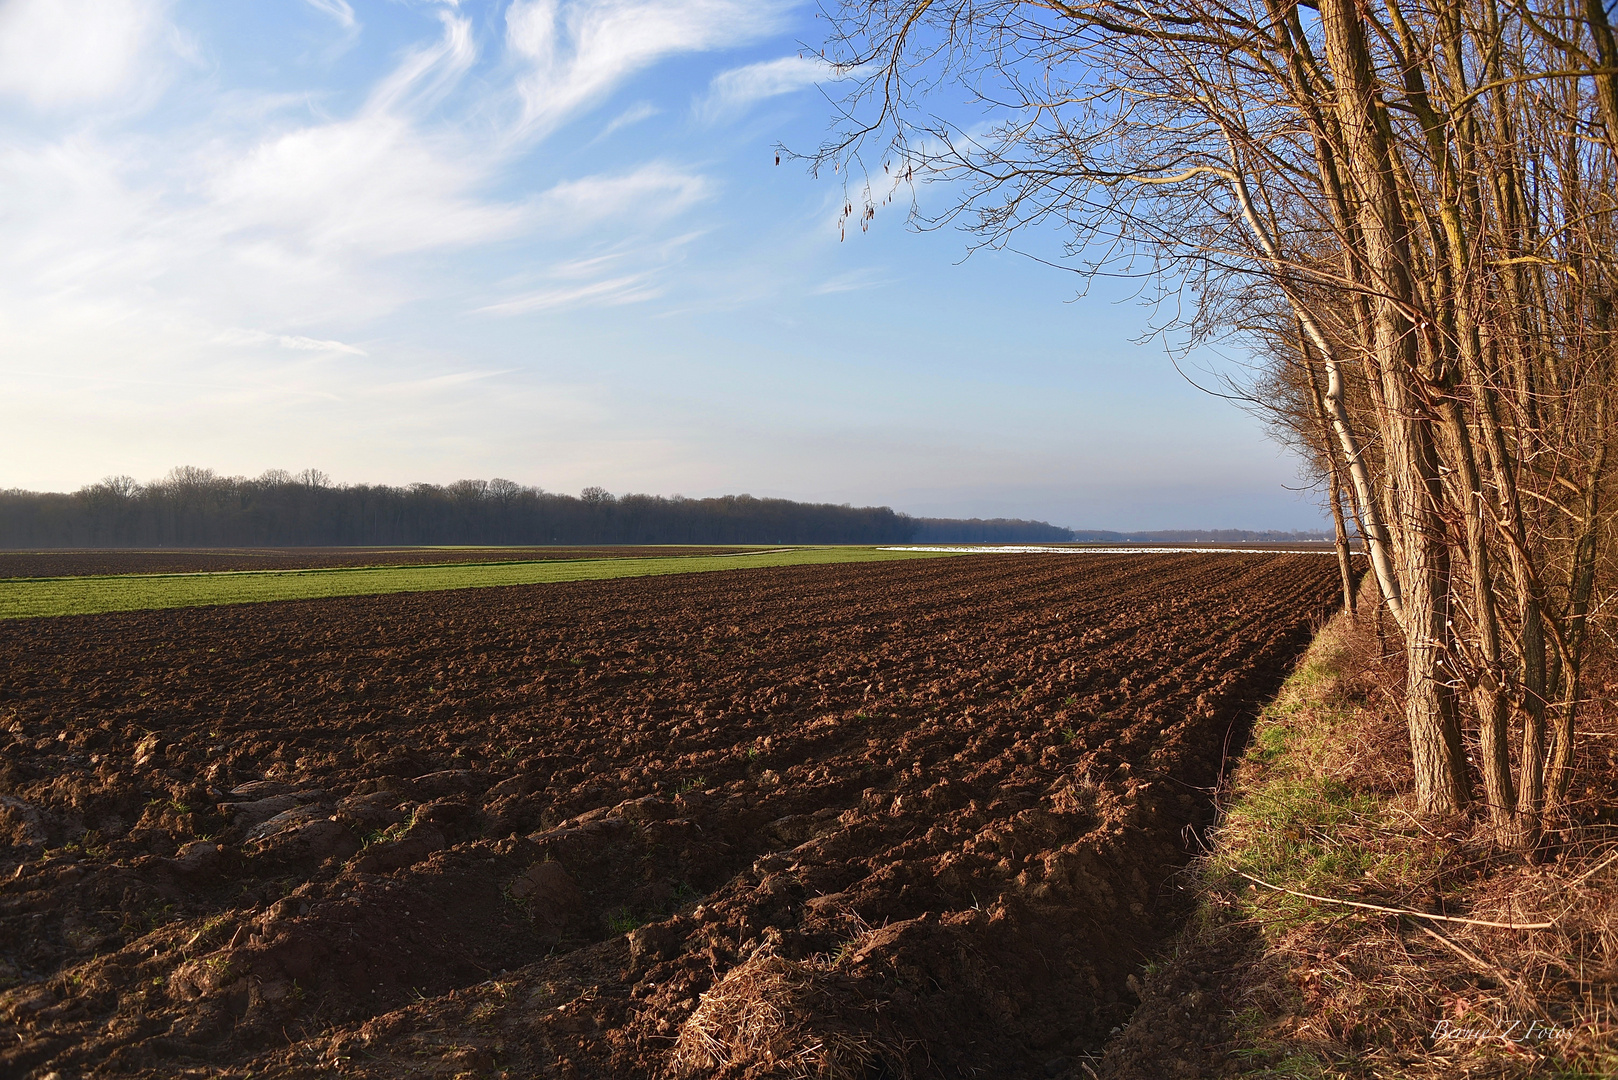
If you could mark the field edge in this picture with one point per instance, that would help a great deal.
(1317, 804)
(29, 598)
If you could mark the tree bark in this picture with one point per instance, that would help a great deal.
(1430, 716)
(1334, 480)
(1487, 683)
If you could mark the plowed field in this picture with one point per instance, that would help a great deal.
(915, 818)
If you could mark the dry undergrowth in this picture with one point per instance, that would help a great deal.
(1329, 990)
(788, 1018)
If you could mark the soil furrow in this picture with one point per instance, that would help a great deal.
(597, 829)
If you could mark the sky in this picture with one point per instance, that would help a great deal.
(545, 240)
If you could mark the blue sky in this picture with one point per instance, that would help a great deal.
(547, 240)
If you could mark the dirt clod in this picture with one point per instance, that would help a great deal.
(915, 818)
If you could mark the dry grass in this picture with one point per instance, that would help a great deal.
(1316, 806)
(775, 1017)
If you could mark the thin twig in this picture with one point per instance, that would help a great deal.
(1494, 971)
(1466, 954)
(1582, 878)
(1400, 911)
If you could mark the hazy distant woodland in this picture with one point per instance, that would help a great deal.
(194, 507)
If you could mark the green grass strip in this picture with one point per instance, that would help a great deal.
(36, 598)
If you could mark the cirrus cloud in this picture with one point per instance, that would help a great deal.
(63, 53)
(732, 91)
(574, 52)
(337, 9)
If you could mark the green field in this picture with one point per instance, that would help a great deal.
(28, 598)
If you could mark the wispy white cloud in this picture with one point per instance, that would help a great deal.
(575, 52)
(63, 53)
(304, 223)
(372, 186)
(429, 72)
(295, 342)
(612, 292)
(642, 110)
(852, 281)
(433, 384)
(732, 91)
(633, 272)
(653, 191)
(573, 269)
(230, 265)
(337, 9)
(379, 183)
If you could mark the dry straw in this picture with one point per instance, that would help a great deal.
(787, 1018)
(1526, 984)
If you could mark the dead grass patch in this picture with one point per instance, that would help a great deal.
(1330, 991)
(771, 1016)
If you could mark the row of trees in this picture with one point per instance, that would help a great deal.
(1406, 209)
(194, 507)
(1204, 536)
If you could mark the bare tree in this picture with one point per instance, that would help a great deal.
(1411, 203)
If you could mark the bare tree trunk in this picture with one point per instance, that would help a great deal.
(1434, 729)
(1581, 585)
(1428, 192)
(1344, 566)
(1377, 538)
(1531, 653)
(1487, 683)
(1606, 77)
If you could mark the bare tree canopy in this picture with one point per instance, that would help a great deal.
(1406, 210)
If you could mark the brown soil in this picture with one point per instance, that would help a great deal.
(914, 818)
(69, 563)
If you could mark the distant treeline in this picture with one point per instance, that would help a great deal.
(992, 531)
(194, 507)
(1184, 536)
